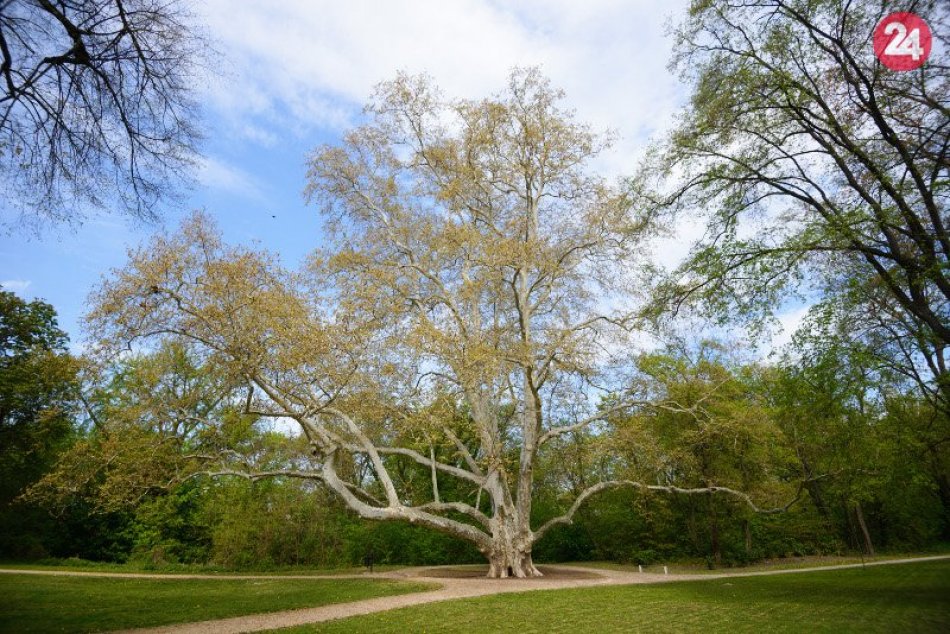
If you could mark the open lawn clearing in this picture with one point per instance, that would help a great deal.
(53, 603)
(906, 598)
(786, 563)
(190, 570)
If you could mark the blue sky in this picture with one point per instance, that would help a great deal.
(293, 74)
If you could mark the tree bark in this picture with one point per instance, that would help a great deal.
(509, 559)
(859, 515)
(943, 489)
(510, 552)
(714, 533)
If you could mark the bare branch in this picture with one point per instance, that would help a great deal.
(568, 517)
(463, 450)
(458, 507)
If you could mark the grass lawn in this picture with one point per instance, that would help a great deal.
(40, 603)
(700, 567)
(900, 598)
(84, 565)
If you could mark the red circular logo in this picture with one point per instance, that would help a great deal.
(902, 41)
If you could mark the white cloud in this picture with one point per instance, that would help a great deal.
(15, 286)
(217, 174)
(670, 250)
(259, 135)
(300, 64)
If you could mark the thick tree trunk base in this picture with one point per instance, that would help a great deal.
(510, 564)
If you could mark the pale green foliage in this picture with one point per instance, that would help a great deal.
(154, 419)
(710, 425)
(471, 255)
(809, 160)
(441, 209)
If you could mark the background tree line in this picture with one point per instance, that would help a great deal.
(868, 452)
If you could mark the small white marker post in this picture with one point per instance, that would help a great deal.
(640, 568)
(665, 570)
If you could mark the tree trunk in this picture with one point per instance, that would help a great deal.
(714, 533)
(695, 537)
(814, 488)
(859, 514)
(510, 553)
(943, 489)
(510, 560)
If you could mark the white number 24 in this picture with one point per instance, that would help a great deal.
(902, 43)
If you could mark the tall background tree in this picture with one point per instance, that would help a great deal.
(38, 396)
(96, 106)
(810, 160)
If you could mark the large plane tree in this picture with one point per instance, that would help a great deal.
(459, 316)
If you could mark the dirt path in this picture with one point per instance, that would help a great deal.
(452, 588)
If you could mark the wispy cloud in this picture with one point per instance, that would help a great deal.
(15, 286)
(303, 64)
(218, 174)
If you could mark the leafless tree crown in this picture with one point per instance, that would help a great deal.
(95, 106)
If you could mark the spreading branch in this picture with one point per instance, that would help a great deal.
(568, 517)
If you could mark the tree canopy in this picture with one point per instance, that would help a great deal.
(474, 265)
(38, 395)
(96, 106)
(814, 162)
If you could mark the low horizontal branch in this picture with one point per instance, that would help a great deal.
(568, 517)
(458, 507)
(254, 476)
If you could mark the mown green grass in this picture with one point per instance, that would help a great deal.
(41, 603)
(789, 563)
(84, 565)
(899, 598)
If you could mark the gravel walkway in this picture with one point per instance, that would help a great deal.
(451, 588)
